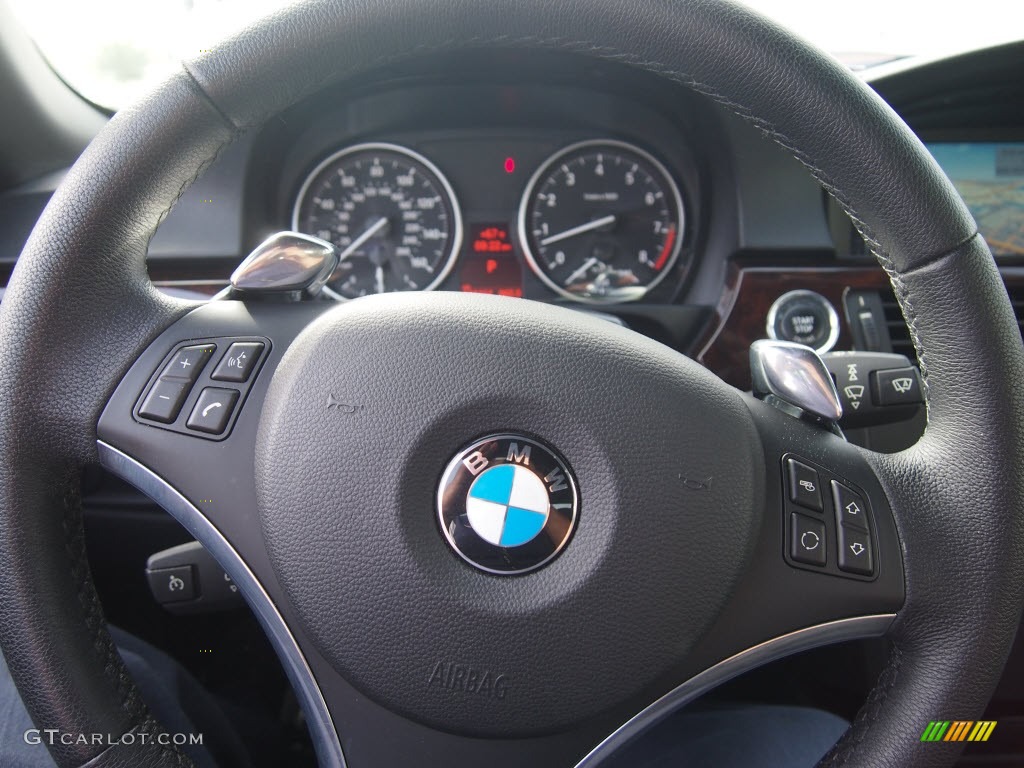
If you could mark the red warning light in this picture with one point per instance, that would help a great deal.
(510, 165)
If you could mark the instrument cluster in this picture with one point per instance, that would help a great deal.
(594, 220)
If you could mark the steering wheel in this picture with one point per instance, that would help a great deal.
(673, 570)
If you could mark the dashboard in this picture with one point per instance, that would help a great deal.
(545, 191)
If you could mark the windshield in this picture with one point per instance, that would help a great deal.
(112, 51)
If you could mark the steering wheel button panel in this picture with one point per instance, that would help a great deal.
(804, 485)
(189, 362)
(238, 362)
(184, 397)
(213, 410)
(163, 403)
(845, 527)
(808, 543)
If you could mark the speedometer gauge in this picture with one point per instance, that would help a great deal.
(601, 222)
(391, 214)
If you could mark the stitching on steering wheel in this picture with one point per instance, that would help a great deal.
(846, 747)
(74, 546)
(910, 316)
(113, 668)
(141, 719)
(203, 166)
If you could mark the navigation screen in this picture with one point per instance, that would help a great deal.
(990, 178)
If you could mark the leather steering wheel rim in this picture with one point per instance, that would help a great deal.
(80, 308)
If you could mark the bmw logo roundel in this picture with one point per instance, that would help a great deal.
(507, 504)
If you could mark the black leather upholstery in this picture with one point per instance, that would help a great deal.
(957, 495)
(79, 309)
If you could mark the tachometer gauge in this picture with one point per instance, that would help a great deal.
(390, 212)
(601, 222)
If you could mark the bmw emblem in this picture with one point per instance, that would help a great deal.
(507, 504)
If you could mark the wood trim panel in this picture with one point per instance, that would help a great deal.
(751, 290)
(749, 294)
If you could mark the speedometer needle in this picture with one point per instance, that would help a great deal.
(379, 279)
(590, 225)
(356, 244)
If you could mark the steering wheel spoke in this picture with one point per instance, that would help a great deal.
(181, 427)
(797, 593)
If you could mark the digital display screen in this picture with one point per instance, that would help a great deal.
(489, 238)
(490, 264)
(990, 179)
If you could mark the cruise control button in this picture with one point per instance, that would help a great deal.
(808, 540)
(213, 410)
(164, 400)
(189, 362)
(804, 485)
(855, 555)
(172, 585)
(898, 386)
(238, 362)
(850, 507)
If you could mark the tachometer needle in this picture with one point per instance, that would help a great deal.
(356, 244)
(581, 271)
(590, 225)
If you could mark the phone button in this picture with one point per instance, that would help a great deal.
(213, 410)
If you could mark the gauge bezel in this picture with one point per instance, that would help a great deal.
(453, 203)
(543, 170)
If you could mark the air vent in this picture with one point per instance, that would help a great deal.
(1017, 302)
(900, 335)
(993, 105)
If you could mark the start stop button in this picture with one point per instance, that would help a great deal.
(804, 317)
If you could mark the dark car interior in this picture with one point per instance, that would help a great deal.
(745, 244)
